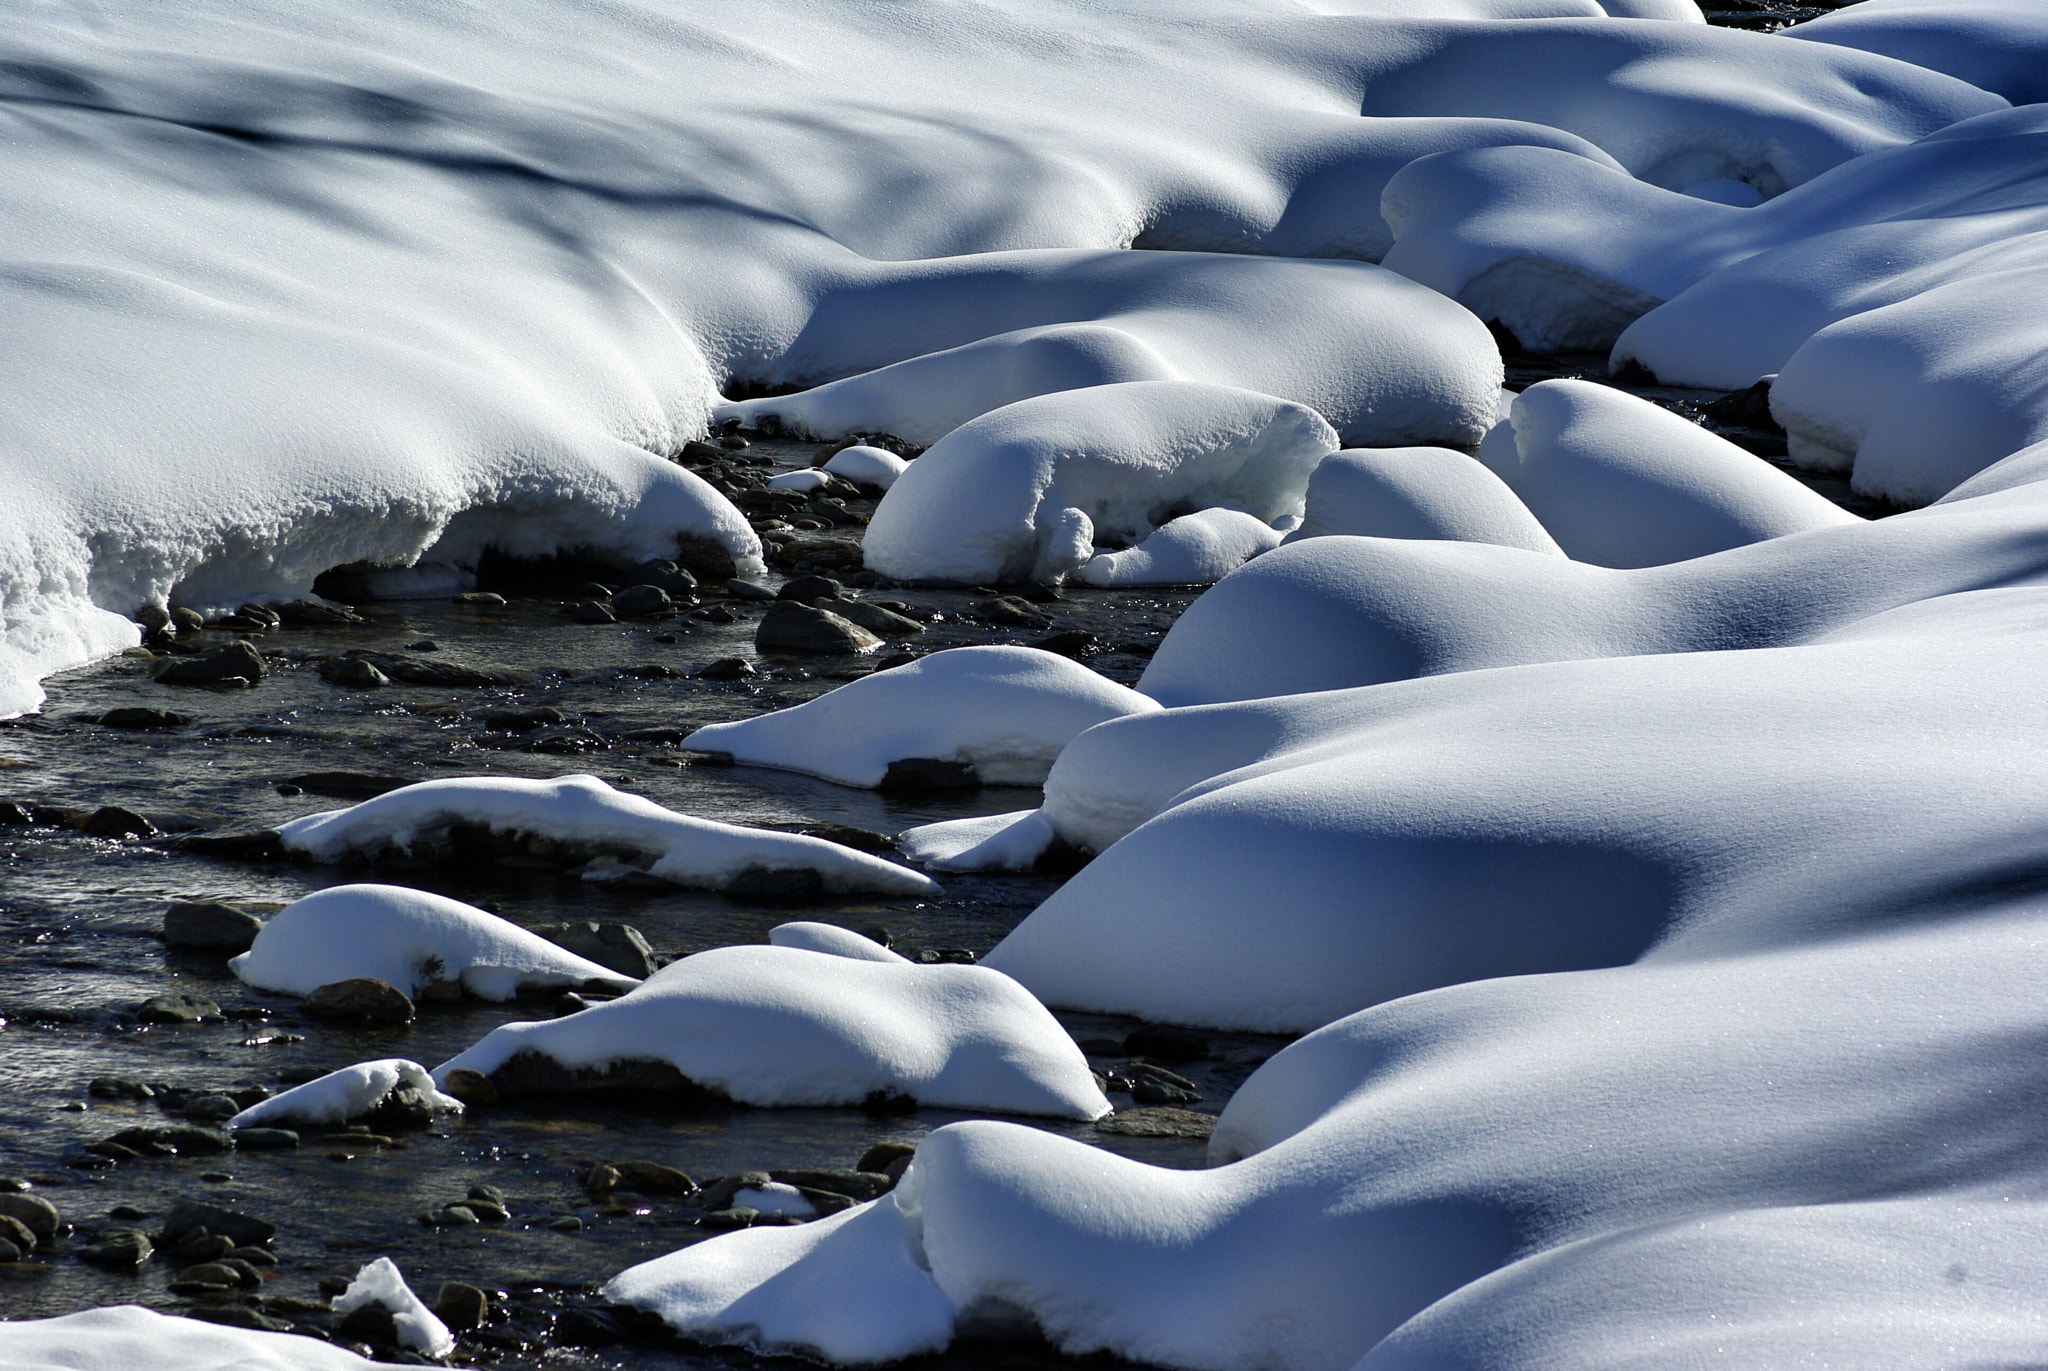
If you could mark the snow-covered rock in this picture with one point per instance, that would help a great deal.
(992, 842)
(1417, 492)
(1196, 549)
(1506, 1147)
(121, 1337)
(1005, 711)
(1619, 482)
(380, 1283)
(411, 939)
(787, 1026)
(586, 815)
(340, 1096)
(803, 482)
(1998, 45)
(1021, 491)
(867, 466)
(829, 938)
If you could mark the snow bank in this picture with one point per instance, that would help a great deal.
(1197, 549)
(340, 1096)
(1619, 482)
(785, 1026)
(1414, 1152)
(1416, 492)
(828, 938)
(585, 814)
(121, 1337)
(867, 466)
(994, 842)
(1383, 361)
(1020, 492)
(1998, 45)
(411, 939)
(380, 1283)
(1005, 711)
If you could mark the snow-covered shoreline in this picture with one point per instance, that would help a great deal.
(1647, 850)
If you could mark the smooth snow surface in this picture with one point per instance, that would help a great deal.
(787, 1026)
(340, 1096)
(992, 842)
(867, 466)
(584, 811)
(123, 1337)
(1197, 549)
(1417, 492)
(1619, 482)
(381, 1283)
(1897, 297)
(1999, 45)
(1022, 491)
(411, 939)
(829, 938)
(1005, 711)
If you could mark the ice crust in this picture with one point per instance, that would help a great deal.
(340, 1096)
(584, 811)
(410, 939)
(1023, 491)
(782, 1025)
(1005, 711)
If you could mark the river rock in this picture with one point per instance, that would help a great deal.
(873, 618)
(185, 619)
(179, 1139)
(238, 1316)
(857, 1185)
(471, 1087)
(592, 612)
(639, 602)
(138, 718)
(34, 1213)
(9, 1252)
(212, 926)
(112, 821)
(362, 999)
(727, 669)
(234, 664)
(212, 1109)
(793, 628)
(352, 673)
(265, 1139)
(178, 1007)
(461, 1306)
(16, 1233)
(667, 576)
(246, 1229)
(121, 1249)
(523, 720)
(315, 614)
(616, 947)
(808, 590)
(929, 773)
(882, 1156)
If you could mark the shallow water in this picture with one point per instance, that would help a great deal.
(80, 917)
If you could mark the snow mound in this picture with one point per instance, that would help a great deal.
(340, 1096)
(587, 815)
(380, 1283)
(786, 1026)
(121, 1337)
(1382, 360)
(1620, 482)
(994, 842)
(1005, 711)
(411, 939)
(867, 466)
(775, 1198)
(1020, 492)
(1997, 45)
(828, 938)
(1414, 1153)
(1197, 549)
(851, 1289)
(803, 481)
(1417, 492)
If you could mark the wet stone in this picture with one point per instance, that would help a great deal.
(461, 1307)
(163, 1140)
(523, 720)
(875, 619)
(363, 1000)
(1158, 1123)
(591, 612)
(352, 673)
(178, 1007)
(235, 664)
(315, 614)
(473, 1088)
(727, 669)
(9, 1252)
(15, 1232)
(117, 1088)
(616, 947)
(638, 602)
(808, 590)
(212, 1109)
(882, 1156)
(929, 773)
(245, 1230)
(34, 1213)
(121, 1249)
(210, 926)
(141, 719)
(112, 821)
(238, 1316)
(750, 590)
(265, 1139)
